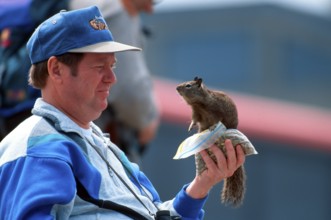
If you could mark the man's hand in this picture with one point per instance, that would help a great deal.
(216, 172)
(134, 7)
(146, 134)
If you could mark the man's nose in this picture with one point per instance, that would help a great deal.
(110, 76)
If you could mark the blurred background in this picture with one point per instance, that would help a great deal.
(274, 59)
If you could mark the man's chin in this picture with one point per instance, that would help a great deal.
(103, 106)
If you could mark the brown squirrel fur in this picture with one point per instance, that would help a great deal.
(208, 108)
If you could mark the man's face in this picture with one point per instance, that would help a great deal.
(86, 92)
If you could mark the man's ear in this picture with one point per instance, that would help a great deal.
(54, 68)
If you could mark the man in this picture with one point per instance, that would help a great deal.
(57, 164)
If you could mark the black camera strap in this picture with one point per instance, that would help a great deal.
(120, 207)
(107, 204)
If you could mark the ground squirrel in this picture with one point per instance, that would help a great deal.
(208, 108)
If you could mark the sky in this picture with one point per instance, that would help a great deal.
(318, 7)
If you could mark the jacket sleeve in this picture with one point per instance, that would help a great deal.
(31, 186)
(187, 207)
(41, 184)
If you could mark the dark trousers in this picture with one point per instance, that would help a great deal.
(9, 123)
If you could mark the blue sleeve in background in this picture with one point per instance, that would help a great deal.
(15, 13)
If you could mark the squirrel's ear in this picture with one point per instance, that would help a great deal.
(199, 81)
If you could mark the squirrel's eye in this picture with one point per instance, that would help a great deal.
(188, 86)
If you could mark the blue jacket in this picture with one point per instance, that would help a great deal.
(43, 157)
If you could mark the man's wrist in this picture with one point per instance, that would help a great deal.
(196, 190)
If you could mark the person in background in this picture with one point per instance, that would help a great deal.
(132, 117)
(18, 19)
(57, 164)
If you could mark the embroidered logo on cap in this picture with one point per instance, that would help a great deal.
(98, 24)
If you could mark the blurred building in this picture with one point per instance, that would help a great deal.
(276, 62)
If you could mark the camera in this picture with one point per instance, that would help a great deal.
(165, 215)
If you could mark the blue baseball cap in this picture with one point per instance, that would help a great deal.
(78, 31)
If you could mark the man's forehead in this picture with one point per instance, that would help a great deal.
(105, 57)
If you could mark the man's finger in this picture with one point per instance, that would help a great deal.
(240, 155)
(220, 158)
(231, 156)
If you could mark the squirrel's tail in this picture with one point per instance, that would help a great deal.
(234, 188)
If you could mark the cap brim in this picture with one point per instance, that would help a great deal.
(105, 47)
